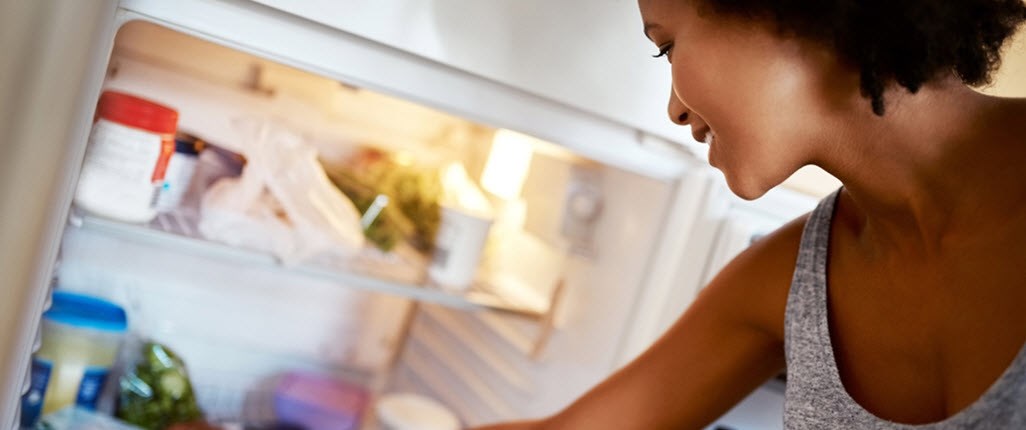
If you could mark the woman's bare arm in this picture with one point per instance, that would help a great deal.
(728, 342)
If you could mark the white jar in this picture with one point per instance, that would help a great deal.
(129, 149)
(458, 247)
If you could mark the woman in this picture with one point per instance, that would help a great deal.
(923, 249)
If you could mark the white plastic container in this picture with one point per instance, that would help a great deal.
(414, 412)
(80, 342)
(129, 149)
(458, 247)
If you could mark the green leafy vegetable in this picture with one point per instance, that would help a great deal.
(412, 212)
(157, 392)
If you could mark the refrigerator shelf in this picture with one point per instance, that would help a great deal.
(369, 271)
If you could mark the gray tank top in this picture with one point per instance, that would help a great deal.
(815, 397)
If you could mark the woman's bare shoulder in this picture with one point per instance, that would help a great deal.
(756, 282)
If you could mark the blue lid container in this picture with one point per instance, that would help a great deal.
(86, 312)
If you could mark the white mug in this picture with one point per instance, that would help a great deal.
(458, 247)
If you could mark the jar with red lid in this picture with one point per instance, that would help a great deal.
(131, 143)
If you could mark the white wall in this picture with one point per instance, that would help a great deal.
(1010, 79)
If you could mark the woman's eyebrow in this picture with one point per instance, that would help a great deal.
(649, 27)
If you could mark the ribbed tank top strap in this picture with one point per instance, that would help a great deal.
(807, 299)
(806, 332)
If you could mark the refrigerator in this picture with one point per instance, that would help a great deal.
(613, 228)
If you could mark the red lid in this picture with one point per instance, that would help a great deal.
(136, 112)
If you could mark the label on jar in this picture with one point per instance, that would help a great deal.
(448, 234)
(90, 388)
(86, 393)
(123, 171)
(32, 401)
(459, 244)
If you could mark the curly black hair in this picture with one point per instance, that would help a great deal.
(905, 41)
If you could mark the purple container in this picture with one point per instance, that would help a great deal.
(319, 402)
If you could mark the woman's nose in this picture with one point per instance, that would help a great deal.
(676, 109)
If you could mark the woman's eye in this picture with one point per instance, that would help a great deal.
(664, 51)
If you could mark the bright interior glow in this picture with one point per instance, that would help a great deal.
(462, 193)
(507, 164)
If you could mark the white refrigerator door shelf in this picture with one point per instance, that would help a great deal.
(380, 274)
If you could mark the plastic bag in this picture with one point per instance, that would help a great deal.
(156, 392)
(283, 203)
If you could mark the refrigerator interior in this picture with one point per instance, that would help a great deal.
(543, 323)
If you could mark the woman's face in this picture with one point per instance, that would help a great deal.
(764, 99)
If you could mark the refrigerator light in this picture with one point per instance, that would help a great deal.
(507, 165)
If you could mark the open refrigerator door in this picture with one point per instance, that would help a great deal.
(332, 232)
(42, 114)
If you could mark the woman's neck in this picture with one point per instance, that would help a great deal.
(939, 161)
